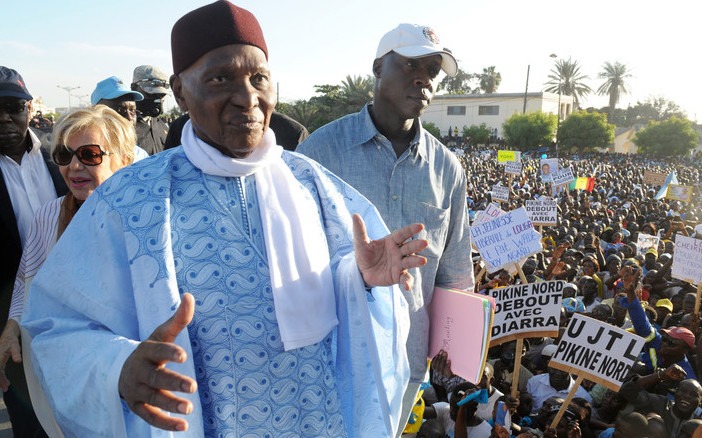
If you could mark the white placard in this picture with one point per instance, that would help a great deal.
(563, 176)
(543, 211)
(513, 167)
(532, 310)
(500, 193)
(506, 239)
(491, 212)
(687, 259)
(602, 352)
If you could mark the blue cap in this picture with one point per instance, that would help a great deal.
(12, 84)
(112, 88)
(572, 305)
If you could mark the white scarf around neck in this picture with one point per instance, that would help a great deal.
(296, 245)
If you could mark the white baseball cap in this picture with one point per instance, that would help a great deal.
(414, 41)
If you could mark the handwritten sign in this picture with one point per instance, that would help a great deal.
(543, 211)
(687, 261)
(563, 176)
(491, 212)
(513, 167)
(506, 239)
(526, 310)
(507, 156)
(500, 193)
(679, 192)
(646, 242)
(654, 178)
(600, 351)
(454, 313)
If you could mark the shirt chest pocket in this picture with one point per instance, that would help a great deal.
(436, 225)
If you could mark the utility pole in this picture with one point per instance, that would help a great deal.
(526, 89)
(68, 90)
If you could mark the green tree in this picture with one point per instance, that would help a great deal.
(490, 80)
(671, 137)
(459, 84)
(585, 131)
(566, 79)
(615, 76)
(357, 91)
(303, 111)
(529, 131)
(477, 134)
(432, 129)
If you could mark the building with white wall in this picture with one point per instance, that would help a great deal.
(459, 110)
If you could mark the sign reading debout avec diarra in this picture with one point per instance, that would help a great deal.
(526, 310)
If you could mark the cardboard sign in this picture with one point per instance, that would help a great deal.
(543, 211)
(454, 313)
(687, 261)
(563, 176)
(601, 352)
(646, 242)
(507, 156)
(500, 193)
(526, 310)
(506, 239)
(679, 192)
(654, 178)
(513, 167)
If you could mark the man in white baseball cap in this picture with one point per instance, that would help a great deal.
(384, 153)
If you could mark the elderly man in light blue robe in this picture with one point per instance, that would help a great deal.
(225, 287)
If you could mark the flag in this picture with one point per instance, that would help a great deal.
(582, 183)
(672, 178)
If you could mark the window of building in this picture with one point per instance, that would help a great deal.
(489, 110)
(456, 111)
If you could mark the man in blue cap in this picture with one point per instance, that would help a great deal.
(114, 93)
(28, 179)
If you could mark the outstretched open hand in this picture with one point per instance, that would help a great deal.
(147, 386)
(385, 261)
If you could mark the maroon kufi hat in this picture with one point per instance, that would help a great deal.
(209, 27)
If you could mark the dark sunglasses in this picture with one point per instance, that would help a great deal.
(89, 154)
(154, 83)
(13, 106)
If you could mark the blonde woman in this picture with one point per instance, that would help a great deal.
(89, 146)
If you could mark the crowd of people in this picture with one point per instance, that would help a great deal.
(202, 278)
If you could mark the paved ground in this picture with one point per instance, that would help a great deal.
(5, 428)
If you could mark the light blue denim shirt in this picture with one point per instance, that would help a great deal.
(425, 184)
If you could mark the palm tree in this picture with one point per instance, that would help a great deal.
(614, 86)
(458, 84)
(490, 80)
(357, 91)
(566, 78)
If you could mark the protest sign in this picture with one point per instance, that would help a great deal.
(654, 178)
(460, 325)
(543, 211)
(646, 242)
(562, 176)
(599, 351)
(491, 212)
(687, 261)
(507, 156)
(500, 193)
(506, 239)
(513, 167)
(548, 166)
(526, 310)
(679, 192)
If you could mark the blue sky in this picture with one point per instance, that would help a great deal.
(80, 42)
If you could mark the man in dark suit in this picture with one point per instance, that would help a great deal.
(28, 179)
